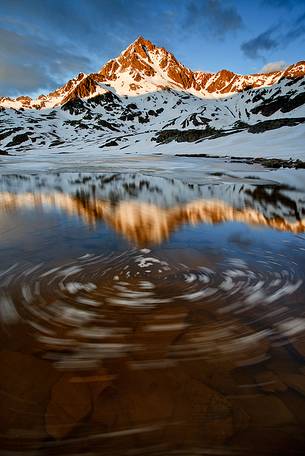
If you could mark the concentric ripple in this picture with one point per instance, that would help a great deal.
(99, 306)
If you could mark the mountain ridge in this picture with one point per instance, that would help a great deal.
(127, 74)
(145, 98)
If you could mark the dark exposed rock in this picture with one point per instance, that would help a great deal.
(197, 120)
(5, 133)
(278, 163)
(19, 139)
(266, 125)
(267, 162)
(77, 124)
(267, 108)
(83, 126)
(294, 102)
(111, 144)
(166, 136)
(258, 97)
(57, 142)
(75, 106)
(108, 125)
(105, 98)
(241, 125)
(151, 112)
(143, 119)
(283, 103)
(129, 115)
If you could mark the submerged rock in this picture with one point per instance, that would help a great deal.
(25, 383)
(295, 382)
(69, 403)
(266, 411)
(71, 400)
(269, 382)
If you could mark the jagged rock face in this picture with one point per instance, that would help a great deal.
(222, 81)
(86, 87)
(141, 60)
(25, 100)
(295, 71)
(108, 72)
(136, 59)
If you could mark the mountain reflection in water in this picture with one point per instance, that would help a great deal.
(145, 315)
(144, 221)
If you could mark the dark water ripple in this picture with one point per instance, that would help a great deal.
(79, 307)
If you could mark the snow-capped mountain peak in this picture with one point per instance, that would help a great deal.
(144, 67)
(146, 92)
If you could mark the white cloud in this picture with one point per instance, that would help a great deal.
(274, 66)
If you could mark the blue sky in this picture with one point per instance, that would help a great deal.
(43, 43)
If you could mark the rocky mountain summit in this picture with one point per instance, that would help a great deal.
(145, 98)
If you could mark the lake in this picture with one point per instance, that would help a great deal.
(152, 313)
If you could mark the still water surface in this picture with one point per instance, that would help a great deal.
(145, 315)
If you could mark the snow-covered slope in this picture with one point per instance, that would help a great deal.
(146, 98)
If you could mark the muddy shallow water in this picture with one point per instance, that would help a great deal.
(146, 315)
